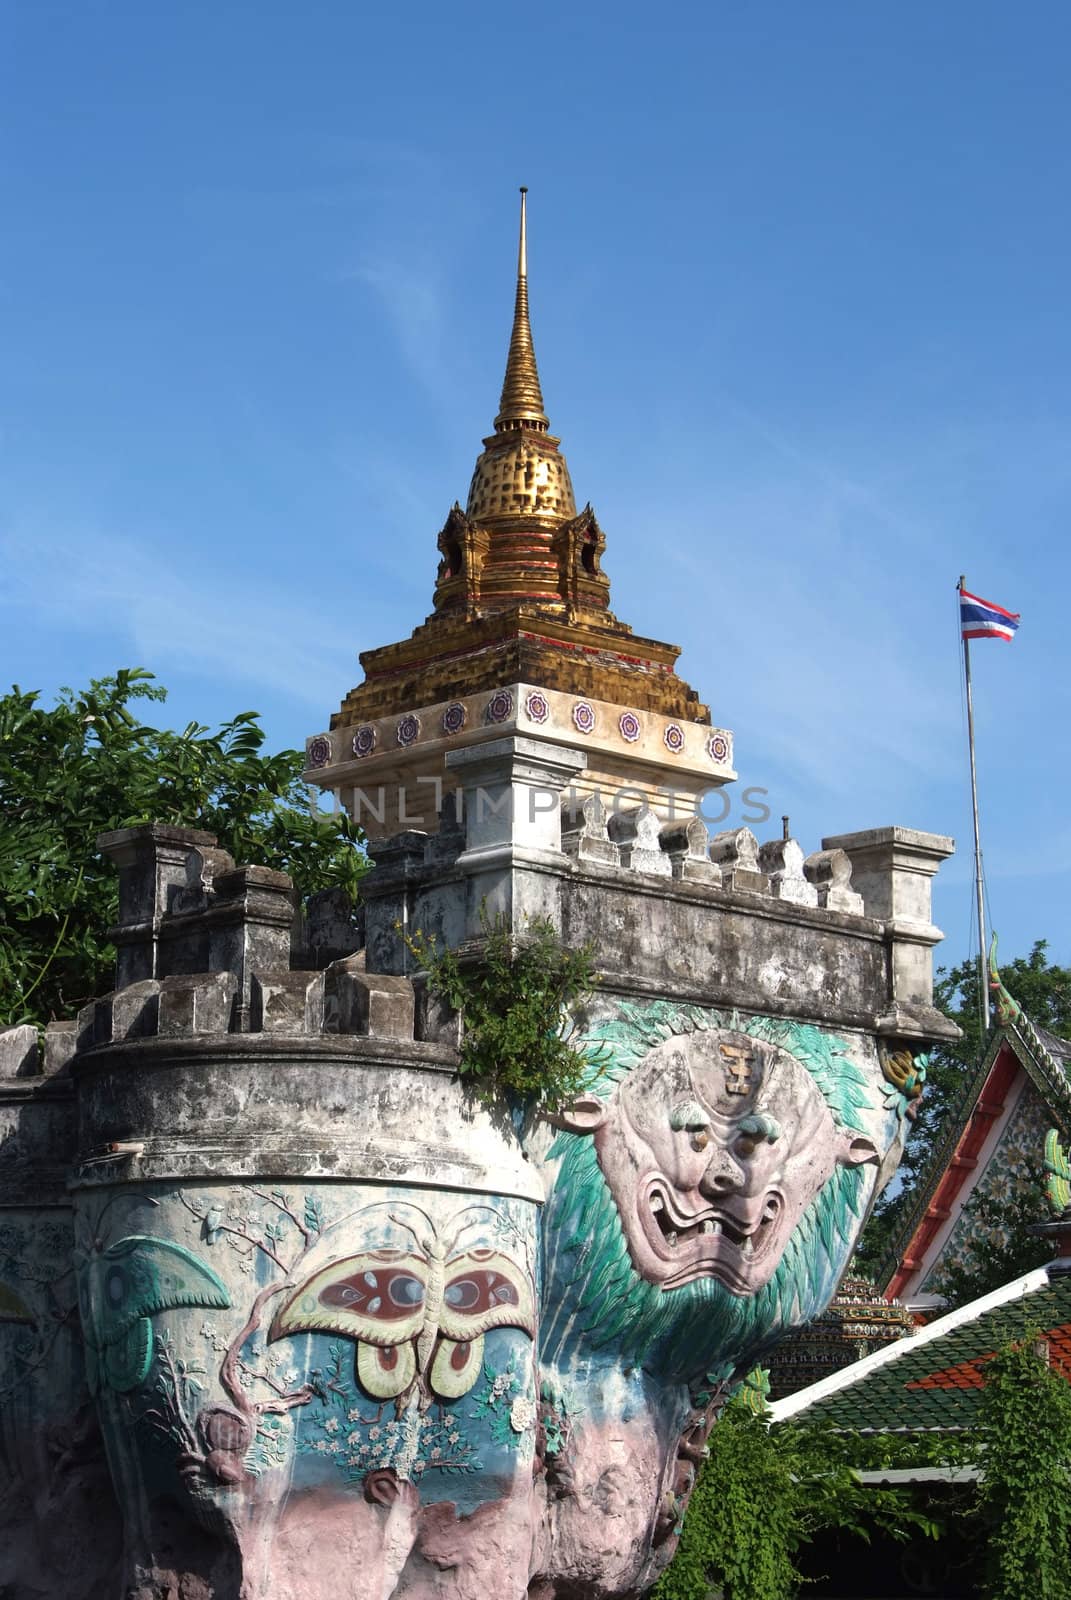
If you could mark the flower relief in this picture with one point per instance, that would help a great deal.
(583, 717)
(408, 730)
(364, 741)
(318, 751)
(673, 738)
(536, 706)
(629, 723)
(522, 1414)
(718, 747)
(454, 717)
(500, 706)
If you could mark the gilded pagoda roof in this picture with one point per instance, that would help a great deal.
(520, 593)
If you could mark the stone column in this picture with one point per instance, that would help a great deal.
(511, 793)
(152, 862)
(893, 869)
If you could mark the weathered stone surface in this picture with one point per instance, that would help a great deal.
(331, 930)
(687, 844)
(18, 1052)
(130, 1013)
(637, 835)
(202, 1002)
(893, 869)
(61, 1042)
(584, 833)
(736, 852)
(287, 1002)
(782, 862)
(382, 1007)
(435, 1021)
(830, 871)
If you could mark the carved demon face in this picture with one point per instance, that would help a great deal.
(713, 1147)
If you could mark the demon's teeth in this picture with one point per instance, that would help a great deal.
(747, 1248)
(657, 1203)
(709, 1227)
(672, 1239)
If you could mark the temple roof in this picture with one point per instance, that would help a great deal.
(520, 592)
(934, 1379)
(1014, 1048)
(857, 1321)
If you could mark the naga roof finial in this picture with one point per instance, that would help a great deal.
(1008, 1009)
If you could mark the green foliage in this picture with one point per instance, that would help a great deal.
(1044, 992)
(764, 1493)
(739, 1532)
(1025, 1497)
(87, 765)
(512, 998)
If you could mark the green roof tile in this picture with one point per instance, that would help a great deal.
(938, 1384)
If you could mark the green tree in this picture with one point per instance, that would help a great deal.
(1025, 1498)
(1043, 989)
(88, 764)
(766, 1492)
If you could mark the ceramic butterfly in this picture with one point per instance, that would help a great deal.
(418, 1316)
(121, 1288)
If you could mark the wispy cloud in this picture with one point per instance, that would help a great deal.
(413, 301)
(215, 623)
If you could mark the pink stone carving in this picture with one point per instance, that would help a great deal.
(713, 1148)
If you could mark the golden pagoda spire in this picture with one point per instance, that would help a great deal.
(521, 405)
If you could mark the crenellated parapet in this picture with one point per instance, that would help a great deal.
(261, 1132)
(723, 919)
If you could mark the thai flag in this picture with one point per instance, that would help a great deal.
(981, 619)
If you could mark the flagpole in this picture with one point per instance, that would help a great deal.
(983, 976)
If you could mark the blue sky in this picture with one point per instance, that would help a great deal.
(799, 290)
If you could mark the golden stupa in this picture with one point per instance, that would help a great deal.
(522, 609)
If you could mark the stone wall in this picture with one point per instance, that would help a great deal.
(339, 1327)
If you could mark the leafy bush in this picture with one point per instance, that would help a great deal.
(512, 996)
(764, 1493)
(1025, 1497)
(88, 765)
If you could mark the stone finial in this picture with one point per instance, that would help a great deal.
(736, 852)
(782, 861)
(584, 835)
(436, 1022)
(637, 834)
(830, 871)
(203, 865)
(385, 1006)
(248, 925)
(130, 1013)
(18, 1051)
(687, 844)
(387, 892)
